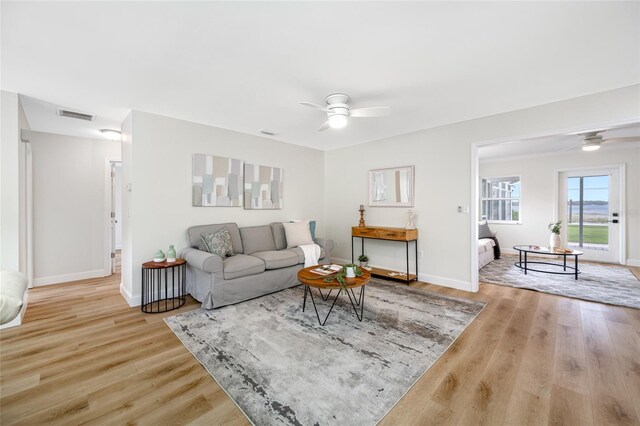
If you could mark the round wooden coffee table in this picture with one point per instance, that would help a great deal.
(310, 279)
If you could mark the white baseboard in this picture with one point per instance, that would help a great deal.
(57, 279)
(445, 282)
(131, 300)
(633, 262)
(427, 278)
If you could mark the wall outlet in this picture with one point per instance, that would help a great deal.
(421, 254)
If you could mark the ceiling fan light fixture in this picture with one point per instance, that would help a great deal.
(338, 121)
(591, 145)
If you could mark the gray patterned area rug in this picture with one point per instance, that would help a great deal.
(612, 284)
(281, 367)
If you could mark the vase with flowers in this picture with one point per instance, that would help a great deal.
(554, 238)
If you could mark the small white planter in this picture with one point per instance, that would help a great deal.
(554, 241)
(351, 272)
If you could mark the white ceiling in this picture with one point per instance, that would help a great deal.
(560, 144)
(43, 116)
(245, 65)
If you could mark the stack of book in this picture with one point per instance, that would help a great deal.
(326, 269)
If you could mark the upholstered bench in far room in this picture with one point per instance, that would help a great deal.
(13, 298)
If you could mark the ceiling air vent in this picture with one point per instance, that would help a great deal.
(75, 114)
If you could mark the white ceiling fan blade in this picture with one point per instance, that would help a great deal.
(623, 139)
(568, 148)
(324, 127)
(370, 112)
(309, 104)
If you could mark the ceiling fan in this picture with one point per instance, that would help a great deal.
(338, 111)
(593, 140)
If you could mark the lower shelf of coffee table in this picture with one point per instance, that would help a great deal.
(384, 273)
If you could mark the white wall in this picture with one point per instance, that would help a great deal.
(12, 242)
(69, 206)
(126, 254)
(442, 157)
(157, 162)
(537, 205)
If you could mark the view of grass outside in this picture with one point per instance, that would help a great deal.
(591, 234)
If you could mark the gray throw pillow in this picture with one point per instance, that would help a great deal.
(484, 231)
(218, 243)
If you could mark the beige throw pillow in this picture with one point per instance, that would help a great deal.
(297, 233)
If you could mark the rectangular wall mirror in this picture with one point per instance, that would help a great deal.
(392, 187)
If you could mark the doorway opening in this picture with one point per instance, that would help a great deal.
(577, 176)
(115, 216)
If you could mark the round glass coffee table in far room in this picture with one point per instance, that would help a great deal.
(311, 280)
(523, 251)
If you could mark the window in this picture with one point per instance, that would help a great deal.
(500, 199)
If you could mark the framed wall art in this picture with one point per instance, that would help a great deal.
(216, 181)
(262, 187)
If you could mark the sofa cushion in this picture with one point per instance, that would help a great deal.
(279, 236)
(277, 259)
(297, 233)
(483, 230)
(196, 242)
(298, 252)
(218, 243)
(242, 265)
(257, 238)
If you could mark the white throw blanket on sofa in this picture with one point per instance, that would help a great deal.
(311, 254)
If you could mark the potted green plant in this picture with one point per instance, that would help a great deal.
(347, 271)
(363, 259)
(554, 238)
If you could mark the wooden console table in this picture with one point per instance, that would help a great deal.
(390, 234)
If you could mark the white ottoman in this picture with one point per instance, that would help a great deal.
(13, 298)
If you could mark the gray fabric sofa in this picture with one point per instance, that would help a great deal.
(262, 264)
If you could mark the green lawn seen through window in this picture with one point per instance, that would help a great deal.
(592, 234)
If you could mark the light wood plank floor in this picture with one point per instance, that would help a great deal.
(83, 356)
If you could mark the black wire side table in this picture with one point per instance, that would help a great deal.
(163, 286)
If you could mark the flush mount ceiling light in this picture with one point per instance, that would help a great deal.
(338, 111)
(111, 134)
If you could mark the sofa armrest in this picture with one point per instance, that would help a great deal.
(203, 260)
(327, 245)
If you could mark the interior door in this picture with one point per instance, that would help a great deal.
(113, 218)
(117, 197)
(590, 209)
